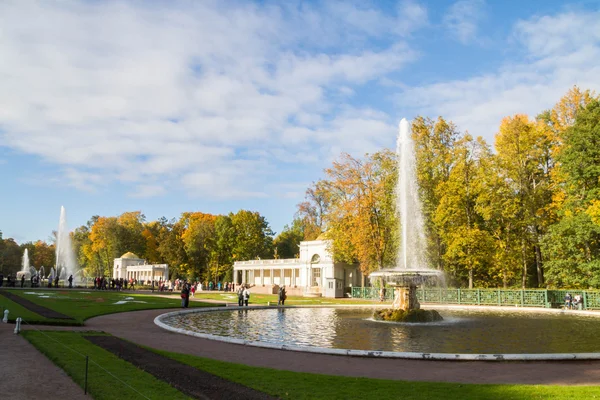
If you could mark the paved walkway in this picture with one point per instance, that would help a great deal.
(27, 374)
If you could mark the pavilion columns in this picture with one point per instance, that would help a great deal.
(294, 277)
(272, 277)
(262, 277)
(281, 277)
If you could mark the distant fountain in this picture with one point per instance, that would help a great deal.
(25, 267)
(65, 257)
(411, 270)
(25, 263)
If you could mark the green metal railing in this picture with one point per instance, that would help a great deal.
(490, 297)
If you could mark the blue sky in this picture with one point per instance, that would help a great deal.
(212, 106)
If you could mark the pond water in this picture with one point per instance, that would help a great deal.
(473, 331)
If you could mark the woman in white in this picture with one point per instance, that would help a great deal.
(246, 295)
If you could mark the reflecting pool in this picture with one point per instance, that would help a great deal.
(462, 331)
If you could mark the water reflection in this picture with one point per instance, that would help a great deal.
(460, 332)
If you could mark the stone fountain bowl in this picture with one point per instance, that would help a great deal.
(409, 277)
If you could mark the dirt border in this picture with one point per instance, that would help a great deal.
(185, 378)
(36, 308)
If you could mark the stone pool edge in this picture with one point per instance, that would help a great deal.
(381, 354)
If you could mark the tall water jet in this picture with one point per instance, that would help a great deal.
(65, 257)
(411, 269)
(408, 204)
(25, 262)
(25, 267)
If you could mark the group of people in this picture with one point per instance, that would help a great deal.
(35, 281)
(102, 283)
(573, 302)
(243, 293)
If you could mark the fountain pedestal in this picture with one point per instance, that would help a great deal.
(406, 306)
(405, 298)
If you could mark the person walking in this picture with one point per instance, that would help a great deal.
(70, 281)
(240, 294)
(282, 296)
(22, 281)
(246, 294)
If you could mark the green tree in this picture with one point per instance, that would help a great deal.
(254, 237)
(287, 242)
(573, 243)
(222, 255)
(10, 257)
(170, 245)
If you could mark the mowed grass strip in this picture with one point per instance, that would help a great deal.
(300, 386)
(101, 385)
(84, 304)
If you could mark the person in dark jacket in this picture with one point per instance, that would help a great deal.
(282, 296)
(185, 295)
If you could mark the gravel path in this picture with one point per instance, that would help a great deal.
(27, 374)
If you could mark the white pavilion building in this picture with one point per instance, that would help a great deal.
(312, 274)
(131, 266)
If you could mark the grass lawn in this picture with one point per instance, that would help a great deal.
(283, 384)
(101, 385)
(84, 304)
(263, 299)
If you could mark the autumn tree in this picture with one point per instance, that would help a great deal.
(461, 225)
(198, 238)
(362, 220)
(524, 158)
(434, 143)
(312, 211)
(105, 243)
(129, 233)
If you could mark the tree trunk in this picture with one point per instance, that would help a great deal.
(470, 279)
(523, 256)
(539, 266)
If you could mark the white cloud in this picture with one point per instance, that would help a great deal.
(463, 18)
(558, 58)
(144, 92)
(144, 191)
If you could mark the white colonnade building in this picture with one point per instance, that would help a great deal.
(130, 266)
(314, 273)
